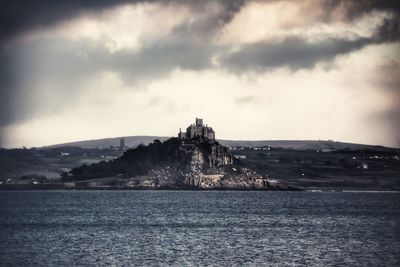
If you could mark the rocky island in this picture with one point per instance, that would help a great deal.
(193, 160)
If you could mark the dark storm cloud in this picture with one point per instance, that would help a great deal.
(159, 60)
(295, 53)
(21, 16)
(388, 31)
(355, 8)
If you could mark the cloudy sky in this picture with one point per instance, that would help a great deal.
(314, 69)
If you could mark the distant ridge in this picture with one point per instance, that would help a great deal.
(130, 141)
(134, 141)
(303, 144)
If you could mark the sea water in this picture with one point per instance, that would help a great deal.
(199, 228)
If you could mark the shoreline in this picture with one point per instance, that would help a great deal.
(49, 187)
(61, 187)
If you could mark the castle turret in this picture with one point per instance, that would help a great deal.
(199, 122)
(181, 135)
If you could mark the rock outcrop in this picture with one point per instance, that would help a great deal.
(177, 164)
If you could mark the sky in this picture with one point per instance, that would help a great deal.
(253, 70)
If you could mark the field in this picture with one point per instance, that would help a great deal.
(317, 169)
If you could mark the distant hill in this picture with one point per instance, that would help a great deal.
(302, 144)
(130, 141)
(134, 141)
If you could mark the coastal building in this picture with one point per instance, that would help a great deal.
(197, 130)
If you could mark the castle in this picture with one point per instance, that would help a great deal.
(197, 130)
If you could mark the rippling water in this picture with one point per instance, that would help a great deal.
(184, 228)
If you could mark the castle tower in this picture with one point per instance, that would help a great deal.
(199, 122)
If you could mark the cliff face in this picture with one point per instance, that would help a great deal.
(189, 163)
(204, 154)
(209, 165)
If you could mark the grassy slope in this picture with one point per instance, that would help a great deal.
(365, 169)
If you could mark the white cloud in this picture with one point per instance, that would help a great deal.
(273, 21)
